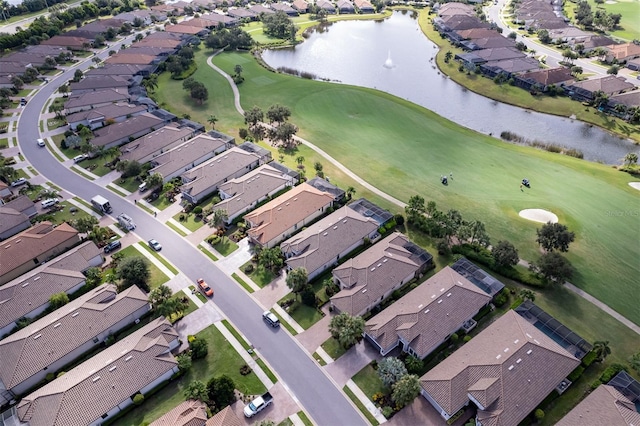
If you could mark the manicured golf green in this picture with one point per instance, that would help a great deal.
(404, 149)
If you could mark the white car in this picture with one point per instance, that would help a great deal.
(155, 245)
(79, 158)
(41, 143)
(49, 202)
(19, 182)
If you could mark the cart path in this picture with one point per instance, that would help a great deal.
(236, 95)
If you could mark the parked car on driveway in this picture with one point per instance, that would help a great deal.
(155, 245)
(271, 319)
(50, 202)
(19, 182)
(112, 246)
(205, 287)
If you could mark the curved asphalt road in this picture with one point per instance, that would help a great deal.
(315, 391)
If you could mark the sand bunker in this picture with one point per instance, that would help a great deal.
(611, 2)
(635, 185)
(539, 215)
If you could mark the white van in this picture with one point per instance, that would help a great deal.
(50, 202)
(142, 187)
(41, 142)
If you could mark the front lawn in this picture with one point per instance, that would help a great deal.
(97, 165)
(64, 214)
(259, 275)
(157, 276)
(160, 258)
(221, 359)
(191, 221)
(369, 381)
(130, 184)
(225, 247)
(333, 348)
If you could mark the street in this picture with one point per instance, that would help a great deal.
(306, 380)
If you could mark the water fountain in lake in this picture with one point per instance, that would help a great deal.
(388, 63)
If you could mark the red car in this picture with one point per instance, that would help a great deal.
(205, 287)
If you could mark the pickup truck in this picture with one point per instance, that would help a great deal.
(258, 404)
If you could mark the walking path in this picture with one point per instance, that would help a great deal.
(341, 167)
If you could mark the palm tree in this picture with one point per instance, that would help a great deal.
(48, 193)
(151, 82)
(219, 218)
(300, 160)
(212, 120)
(154, 180)
(350, 192)
(601, 349)
(527, 295)
(238, 70)
(448, 56)
(159, 295)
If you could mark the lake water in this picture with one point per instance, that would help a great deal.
(394, 56)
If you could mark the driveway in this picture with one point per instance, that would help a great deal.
(283, 406)
(420, 412)
(356, 358)
(195, 322)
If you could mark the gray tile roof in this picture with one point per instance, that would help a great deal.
(28, 292)
(53, 337)
(247, 189)
(163, 139)
(325, 240)
(204, 177)
(528, 364)
(603, 406)
(610, 84)
(427, 315)
(189, 413)
(131, 126)
(185, 154)
(118, 109)
(92, 98)
(11, 218)
(79, 258)
(99, 82)
(82, 395)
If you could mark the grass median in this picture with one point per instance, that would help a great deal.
(160, 258)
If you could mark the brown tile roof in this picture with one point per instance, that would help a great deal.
(131, 126)
(499, 53)
(323, 241)
(429, 314)
(93, 98)
(147, 42)
(363, 4)
(475, 33)
(604, 406)
(359, 273)
(185, 154)
(246, 190)
(629, 99)
(126, 57)
(189, 413)
(225, 417)
(300, 5)
(456, 8)
(164, 138)
(277, 216)
(33, 242)
(183, 29)
(53, 337)
(203, 177)
(67, 41)
(623, 51)
(549, 76)
(528, 364)
(20, 203)
(82, 395)
(609, 84)
(100, 82)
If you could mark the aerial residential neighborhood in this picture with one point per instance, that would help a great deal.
(319, 213)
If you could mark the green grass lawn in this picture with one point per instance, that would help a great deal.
(221, 359)
(259, 275)
(175, 228)
(242, 282)
(369, 381)
(192, 307)
(130, 184)
(225, 247)
(97, 165)
(157, 276)
(192, 222)
(360, 406)
(333, 348)
(161, 202)
(304, 315)
(64, 215)
(356, 125)
(198, 294)
(160, 258)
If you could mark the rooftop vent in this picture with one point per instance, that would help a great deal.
(536, 341)
(75, 314)
(519, 360)
(112, 368)
(516, 341)
(529, 352)
(364, 291)
(448, 294)
(433, 296)
(128, 358)
(37, 278)
(335, 227)
(511, 367)
(325, 234)
(498, 356)
(442, 289)
(344, 221)
(427, 311)
(295, 199)
(506, 350)
(528, 335)
(439, 301)
(379, 265)
(57, 325)
(95, 379)
(25, 284)
(420, 306)
(37, 336)
(384, 260)
(373, 269)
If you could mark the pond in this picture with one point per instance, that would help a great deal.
(393, 55)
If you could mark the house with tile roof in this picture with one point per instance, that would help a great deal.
(15, 216)
(145, 148)
(282, 7)
(242, 13)
(364, 6)
(185, 28)
(327, 6)
(99, 82)
(87, 101)
(506, 371)
(54, 341)
(71, 43)
(101, 387)
(219, 19)
(456, 8)
(543, 78)
(205, 178)
(28, 296)
(121, 133)
(98, 117)
(190, 413)
(603, 406)
(258, 8)
(285, 215)
(324, 243)
(300, 5)
(325, 186)
(33, 246)
(241, 194)
(131, 57)
(345, 6)
(187, 155)
(622, 52)
(428, 315)
(585, 90)
(225, 417)
(368, 279)
(4, 190)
